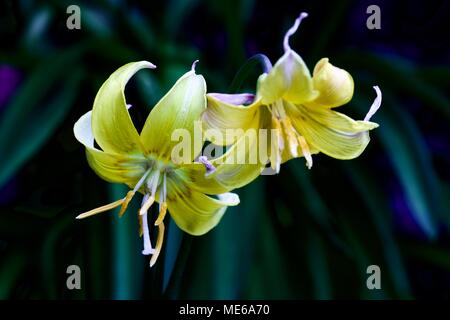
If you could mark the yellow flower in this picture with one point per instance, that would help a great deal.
(298, 107)
(145, 162)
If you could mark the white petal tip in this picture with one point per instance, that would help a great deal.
(229, 199)
(150, 65)
(375, 105)
(194, 64)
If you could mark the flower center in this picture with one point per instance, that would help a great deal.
(286, 134)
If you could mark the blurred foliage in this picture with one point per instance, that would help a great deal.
(300, 234)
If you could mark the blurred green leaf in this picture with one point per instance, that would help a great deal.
(142, 30)
(315, 204)
(128, 262)
(234, 240)
(397, 74)
(411, 160)
(97, 22)
(11, 267)
(438, 76)
(178, 11)
(319, 267)
(174, 261)
(37, 28)
(30, 121)
(50, 264)
(436, 256)
(378, 209)
(362, 256)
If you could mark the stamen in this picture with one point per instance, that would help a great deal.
(375, 105)
(280, 109)
(162, 203)
(147, 244)
(147, 204)
(124, 202)
(152, 184)
(292, 30)
(141, 181)
(162, 213)
(159, 243)
(306, 151)
(277, 126)
(104, 208)
(291, 135)
(208, 165)
(276, 147)
(131, 193)
(141, 230)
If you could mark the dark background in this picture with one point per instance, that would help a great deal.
(301, 234)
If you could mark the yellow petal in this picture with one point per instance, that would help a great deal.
(289, 79)
(180, 108)
(194, 176)
(111, 123)
(118, 168)
(237, 167)
(244, 160)
(331, 132)
(335, 85)
(195, 212)
(222, 118)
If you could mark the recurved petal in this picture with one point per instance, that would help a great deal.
(226, 115)
(195, 212)
(111, 123)
(289, 79)
(331, 132)
(118, 168)
(335, 85)
(175, 115)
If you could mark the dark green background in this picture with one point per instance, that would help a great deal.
(300, 234)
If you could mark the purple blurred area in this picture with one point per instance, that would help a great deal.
(9, 80)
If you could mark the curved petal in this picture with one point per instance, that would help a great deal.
(289, 79)
(335, 85)
(331, 132)
(195, 212)
(111, 123)
(221, 118)
(244, 160)
(193, 175)
(111, 167)
(238, 166)
(179, 109)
